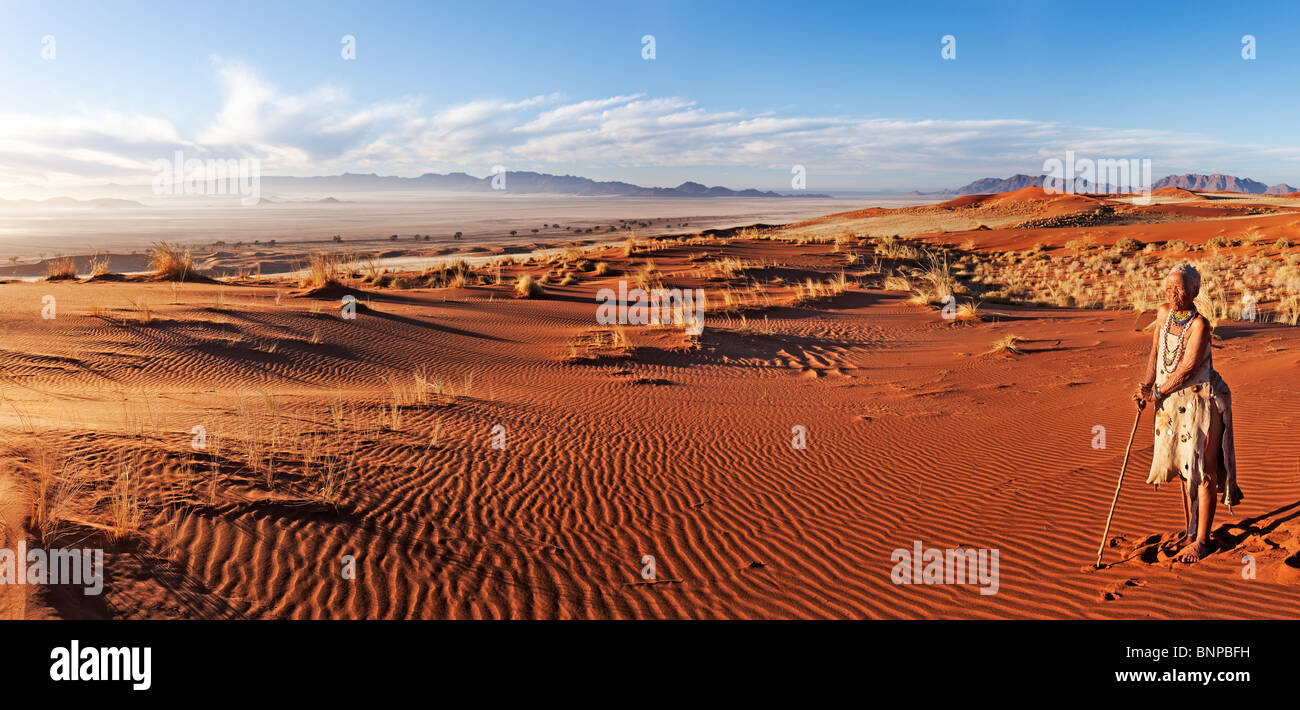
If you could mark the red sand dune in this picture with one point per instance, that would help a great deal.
(668, 450)
(1177, 192)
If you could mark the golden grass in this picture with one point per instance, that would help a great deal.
(60, 268)
(336, 472)
(528, 287)
(56, 494)
(124, 505)
(969, 312)
(1009, 345)
(143, 313)
(171, 261)
(322, 270)
(1288, 310)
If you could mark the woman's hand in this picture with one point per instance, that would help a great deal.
(1142, 393)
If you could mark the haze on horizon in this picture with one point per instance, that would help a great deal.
(859, 96)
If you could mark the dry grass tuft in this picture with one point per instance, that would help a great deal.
(528, 287)
(60, 268)
(171, 261)
(124, 506)
(55, 495)
(1010, 345)
(322, 270)
(99, 264)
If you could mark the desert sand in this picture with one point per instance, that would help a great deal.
(476, 454)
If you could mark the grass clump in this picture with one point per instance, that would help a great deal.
(60, 269)
(528, 287)
(171, 261)
(1009, 345)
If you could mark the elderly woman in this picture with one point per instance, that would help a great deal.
(1193, 424)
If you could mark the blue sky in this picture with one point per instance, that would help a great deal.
(737, 93)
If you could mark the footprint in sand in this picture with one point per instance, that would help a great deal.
(1281, 542)
(1152, 549)
(1288, 571)
(1116, 590)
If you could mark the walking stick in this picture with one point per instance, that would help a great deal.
(1119, 484)
(1187, 514)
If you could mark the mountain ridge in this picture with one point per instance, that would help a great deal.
(524, 182)
(1216, 182)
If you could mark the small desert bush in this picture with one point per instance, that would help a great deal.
(648, 276)
(897, 283)
(454, 275)
(99, 265)
(1083, 243)
(55, 495)
(1010, 345)
(322, 270)
(1288, 310)
(528, 287)
(171, 261)
(968, 312)
(60, 268)
(893, 248)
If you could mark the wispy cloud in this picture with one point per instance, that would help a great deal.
(326, 131)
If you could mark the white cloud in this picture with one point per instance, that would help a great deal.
(325, 131)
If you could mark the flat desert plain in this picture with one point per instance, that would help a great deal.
(473, 443)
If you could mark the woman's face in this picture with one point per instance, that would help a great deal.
(1176, 293)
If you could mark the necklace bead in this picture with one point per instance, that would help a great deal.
(1171, 363)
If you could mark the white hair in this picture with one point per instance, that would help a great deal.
(1190, 277)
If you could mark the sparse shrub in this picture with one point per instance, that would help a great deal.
(322, 269)
(897, 283)
(171, 262)
(99, 265)
(1083, 243)
(60, 268)
(1010, 345)
(528, 287)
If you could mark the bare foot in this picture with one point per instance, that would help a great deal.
(1196, 552)
(1172, 546)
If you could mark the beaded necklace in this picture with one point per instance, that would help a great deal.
(1171, 364)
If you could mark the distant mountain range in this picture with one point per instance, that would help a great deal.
(1224, 183)
(515, 182)
(70, 202)
(1189, 181)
